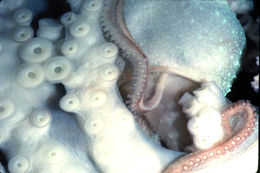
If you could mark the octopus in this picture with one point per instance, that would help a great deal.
(123, 86)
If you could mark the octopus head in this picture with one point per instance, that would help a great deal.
(202, 41)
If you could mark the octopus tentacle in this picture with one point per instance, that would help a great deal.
(114, 29)
(232, 139)
(155, 100)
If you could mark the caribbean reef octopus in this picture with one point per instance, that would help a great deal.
(127, 86)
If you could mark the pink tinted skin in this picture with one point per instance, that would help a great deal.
(233, 139)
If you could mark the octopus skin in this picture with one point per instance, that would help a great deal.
(128, 47)
(84, 125)
(195, 159)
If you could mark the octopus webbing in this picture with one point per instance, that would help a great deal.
(131, 86)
